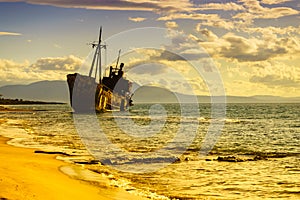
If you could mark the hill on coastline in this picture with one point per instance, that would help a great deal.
(57, 91)
(48, 91)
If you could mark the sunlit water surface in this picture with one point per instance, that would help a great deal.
(143, 142)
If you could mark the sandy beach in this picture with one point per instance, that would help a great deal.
(26, 175)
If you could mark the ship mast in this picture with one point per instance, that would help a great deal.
(118, 58)
(97, 57)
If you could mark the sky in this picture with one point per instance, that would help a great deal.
(253, 45)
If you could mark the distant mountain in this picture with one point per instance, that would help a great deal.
(54, 91)
(57, 91)
(155, 94)
(147, 94)
(269, 98)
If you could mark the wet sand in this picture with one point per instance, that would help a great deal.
(26, 175)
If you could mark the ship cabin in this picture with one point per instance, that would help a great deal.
(115, 81)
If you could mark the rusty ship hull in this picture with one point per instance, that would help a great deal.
(112, 92)
(88, 96)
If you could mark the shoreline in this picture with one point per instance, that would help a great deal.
(26, 175)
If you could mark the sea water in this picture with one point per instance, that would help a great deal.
(157, 149)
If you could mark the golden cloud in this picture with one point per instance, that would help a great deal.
(43, 69)
(256, 11)
(274, 1)
(221, 6)
(254, 48)
(10, 33)
(68, 63)
(142, 5)
(137, 19)
(171, 24)
(274, 73)
(192, 16)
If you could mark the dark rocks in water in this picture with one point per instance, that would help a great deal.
(52, 152)
(89, 162)
(265, 155)
(277, 154)
(259, 158)
(177, 160)
(229, 159)
(187, 159)
(130, 189)
(106, 162)
(141, 160)
(236, 159)
(154, 160)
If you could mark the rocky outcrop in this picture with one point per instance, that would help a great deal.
(237, 159)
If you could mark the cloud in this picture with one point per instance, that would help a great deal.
(141, 5)
(182, 55)
(274, 74)
(275, 80)
(221, 6)
(9, 34)
(69, 63)
(274, 1)
(256, 11)
(148, 68)
(192, 16)
(171, 24)
(10, 64)
(213, 20)
(162, 63)
(161, 6)
(136, 19)
(182, 47)
(12, 72)
(244, 49)
(210, 36)
(179, 47)
(242, 14)
(272, 77)
(223, 23)
(167, 74)
(170, 56)
(271, 31)
(253, 48)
